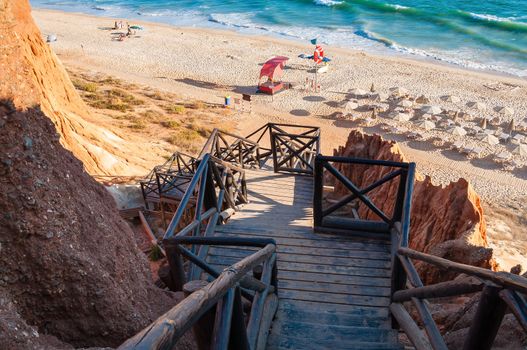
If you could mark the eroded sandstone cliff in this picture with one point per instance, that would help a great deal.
(445, 221)
(69, 265)
(30, 74)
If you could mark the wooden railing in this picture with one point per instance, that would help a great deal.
(215, 186)
(215, 310)
(324, 208)
(293, 151)
(233, 149)
(500, 291)
(169, 179)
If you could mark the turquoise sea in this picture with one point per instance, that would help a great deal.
(483, 34)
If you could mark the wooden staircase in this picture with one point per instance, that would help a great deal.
(334, 291)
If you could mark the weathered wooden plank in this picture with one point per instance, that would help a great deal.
(286, 342)
(301, 242)
(330, 318)
(321, 333)
(334, 279)
(322, 260)
(295, 232)
(334, 298)
(324, 252)
(313, 267)
(350, 310)
(313, 286)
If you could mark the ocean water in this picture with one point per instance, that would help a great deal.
(479, 34)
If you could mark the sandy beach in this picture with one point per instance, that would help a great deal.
(210, 64)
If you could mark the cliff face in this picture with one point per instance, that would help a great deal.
(69, 265)
(445, 221)
(68, 260)
(32, 75)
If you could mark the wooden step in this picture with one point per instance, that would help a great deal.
(302, 335)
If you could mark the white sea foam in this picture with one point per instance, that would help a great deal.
(493, 18)
(327, 2)
(398, 7)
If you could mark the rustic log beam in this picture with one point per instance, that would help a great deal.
(269, 311)
(487, 320)
(238, 338)
(409, 327)
(255, 319)
(410, 270)
(204, 327)
(506, 279)
(177, 272)
(222, 323)
(436, 340)
(148, 232)
(516, 305)
(167, 329)
(438, 290)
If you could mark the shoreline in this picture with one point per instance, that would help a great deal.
(207, 65)
(396, 55)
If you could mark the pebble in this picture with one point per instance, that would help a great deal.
(28, 143)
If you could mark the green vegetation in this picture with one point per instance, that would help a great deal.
(175, 109)
(138, 124)
(151, 115)
(171, 124)
(85, 86)
(155, 253)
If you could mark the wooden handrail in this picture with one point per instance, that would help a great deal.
(505, 279)
(499, 291)
(167, 329)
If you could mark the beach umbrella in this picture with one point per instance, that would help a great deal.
(432, 109)
(518, 138)
(378, 97)
(521, 150)
(426, 124)
(399, 91)
(484, 123)
(406, 103)
(136, 27)
(505, 110)
(458, 131)
(479, 106)
(350, 105)
(401, 117)
(422, 100)
(358, 92)
(490, 139)
(458, 145)
(503, 155)
(372, 88)
(451, 98)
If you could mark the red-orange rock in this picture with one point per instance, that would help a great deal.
(439, 214)
(31, 75)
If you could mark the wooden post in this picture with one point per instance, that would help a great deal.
(318, 192)
(238, 331)
(203, 329)
(273, 149)
(487, 320)
(399, 201)
(177, 273)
